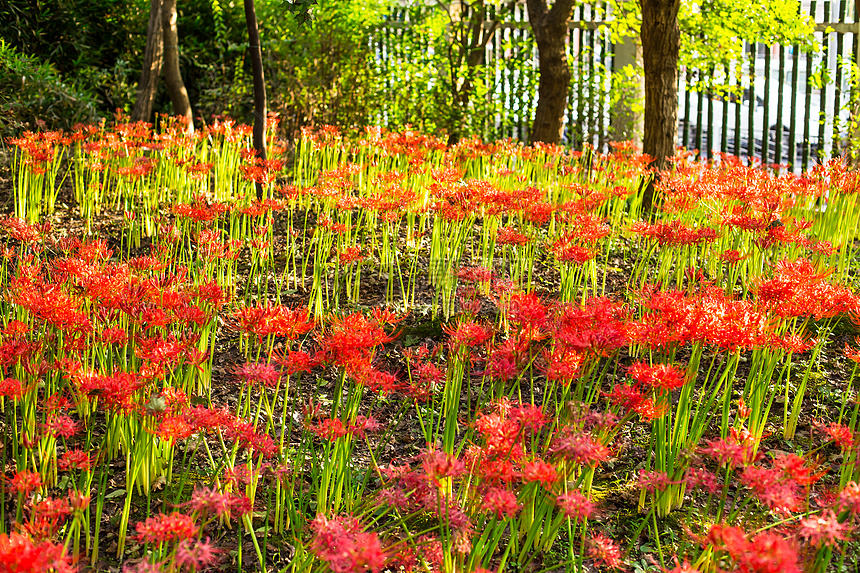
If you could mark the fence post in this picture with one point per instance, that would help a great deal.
(627, 121)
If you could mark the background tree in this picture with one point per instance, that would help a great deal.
(162, 54)
(256, 53)
(153, 56)
(706, 35)
(550, 28)
(661, 43)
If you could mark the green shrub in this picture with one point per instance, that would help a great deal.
(34, 95)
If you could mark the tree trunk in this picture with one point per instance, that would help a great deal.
(550, 31)
(151, 65)
(259, 86)
(172, 76)
(661, 44)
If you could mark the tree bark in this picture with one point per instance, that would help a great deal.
(172, 76)
(152, 59)
(661, 44)
(549, 27)
(256, 54)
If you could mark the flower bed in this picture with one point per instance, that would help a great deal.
(414, 357)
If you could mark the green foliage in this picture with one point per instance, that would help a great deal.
(75, 34)
(322, 71)
(435, 86)
(33, 94)
(713, 33)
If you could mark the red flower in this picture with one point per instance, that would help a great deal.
(839, 433)
(467, 333)
(823, 529)
(767, 552)
(605, 552)
(579, 448)
(575, 505)
(849, 497)
(661, 376)
(163, 528)
(19, 553)
(540, 471)
(212, 502)
(25, 482)
(342, 544)
(254, 373)
(502, 502)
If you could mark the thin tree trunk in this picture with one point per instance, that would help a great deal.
(661, 44)
(172, 76)
(256, 54)
(550, 32)
(152, 59)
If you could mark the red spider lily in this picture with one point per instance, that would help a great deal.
(74, 459)
(628, 396)
(475, 274)
(363, 425)
(596, 326)
(16, 329)
(527, 315)
(61, 425)
(541, 472)
(770, 485)
(731, 257)
(20, 230)
(767, 552)
(12, 388)
(839, 433)
(798, 289)
(510, 236)
(849, 498)
(209, 419)
(500, 502)
(297, 361)
(200, 210)
(565, 252)
(160, 351)
(661, 376)
(255, 373)
(579, 448)
(47, 516)
(439, 465)
(561, 364)
(330, 429)
(353, 338)
(115, 392)
(350, 255)
(655, 481)
(344, 546)
(673, 233)
(426, 377)
(206, 502)
(850, 353)
(196, 555)
(467, 333)
(736, 449)
(823, 529)
(172, 428)
(247, 438)
(19, 553)
(575, 505)
(25, 482)
(164, 528)
(502, 364)
(605, 552)
(701, 478)
(114, 335)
